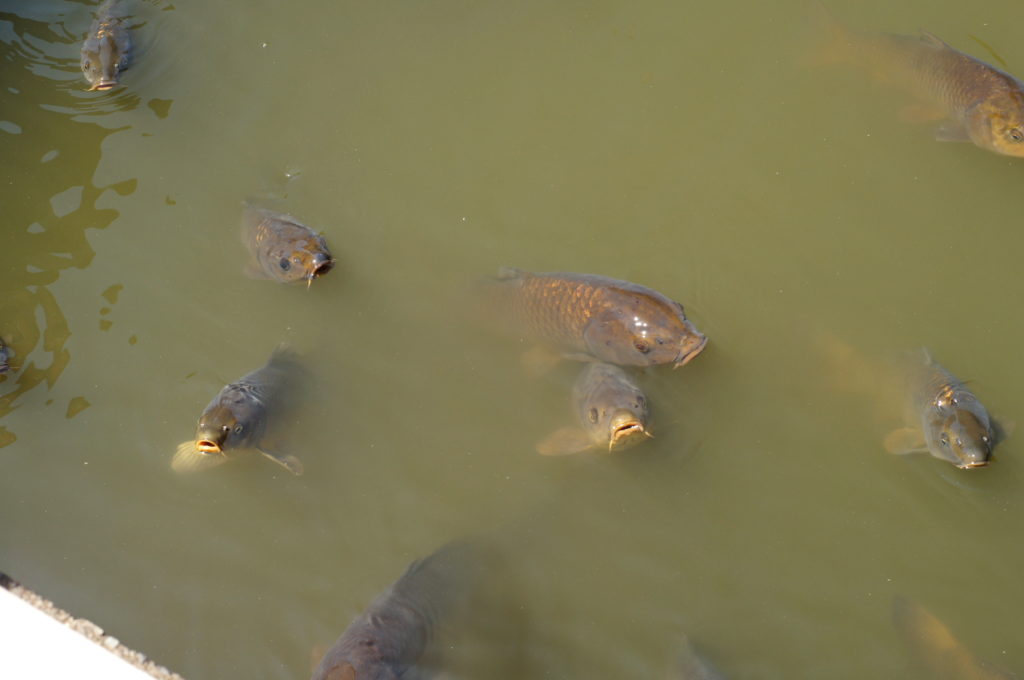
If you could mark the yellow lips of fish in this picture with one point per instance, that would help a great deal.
(626, 431)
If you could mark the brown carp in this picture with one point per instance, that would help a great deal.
(282, 248)
(107, 49)
(611, 409)
(980, 103)
(936, 648)
(596, 317)
(237, 418)
(387, 640)
(944, 417)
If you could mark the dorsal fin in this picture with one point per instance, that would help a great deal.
(934, 40)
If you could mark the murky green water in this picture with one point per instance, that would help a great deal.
(678, 145)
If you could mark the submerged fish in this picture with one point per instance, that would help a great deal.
(387, 640)
(947, 420)
(937, 649)
(236, 419)
(979, 103)
(597, 317)
(107, 48)
(612, 412)
(282, 248)
(5, 354)
(691, 666)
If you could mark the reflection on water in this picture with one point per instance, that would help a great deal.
(49, 198)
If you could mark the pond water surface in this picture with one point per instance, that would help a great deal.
(689, 147)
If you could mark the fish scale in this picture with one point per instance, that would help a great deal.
(596, 317)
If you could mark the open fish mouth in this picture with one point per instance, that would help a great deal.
(686, 356)
(321, 269)
(627, 434)
(104, 85)
(207, 446)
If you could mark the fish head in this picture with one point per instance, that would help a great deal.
(220, 428)
(646, 332)
(102, 62)
(997, 123)
(611, 408)
(304, 263)
(965, 440)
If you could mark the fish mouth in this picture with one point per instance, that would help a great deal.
(104, 85)
(627, 434)
(967, 465)
(208, 446)
(321, 269)
(686, 355)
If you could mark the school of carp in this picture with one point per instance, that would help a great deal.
(615, 331)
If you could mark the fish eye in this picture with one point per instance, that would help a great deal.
(959, 442)
(592, 414)
(238, 429)
(642, 347)
(285, 264)
(944, 439)
(87, 64)
(1015, 134)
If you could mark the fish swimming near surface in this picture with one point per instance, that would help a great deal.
(936, 648)
(387, 640)
(595, 317)
(978, 102)
(237, 418)
(611, 409)
(106, 51)
(282, 248)
(944, 417)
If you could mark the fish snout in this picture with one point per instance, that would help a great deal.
(208, 446)
(321, 265)
(103, 85)
(626, 430)
(691, 348)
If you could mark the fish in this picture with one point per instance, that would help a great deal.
(5, 354)
(978, 102)
(692, 666)
(945, 418)
(596, 317)
(390, 637)
(106, 51)
(282, 248)
(611, 409)
(237, 418)
(937, 649)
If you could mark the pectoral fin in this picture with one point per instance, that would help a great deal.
(952, 131)
(564, 441)
(290, 463)
(905, 440)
